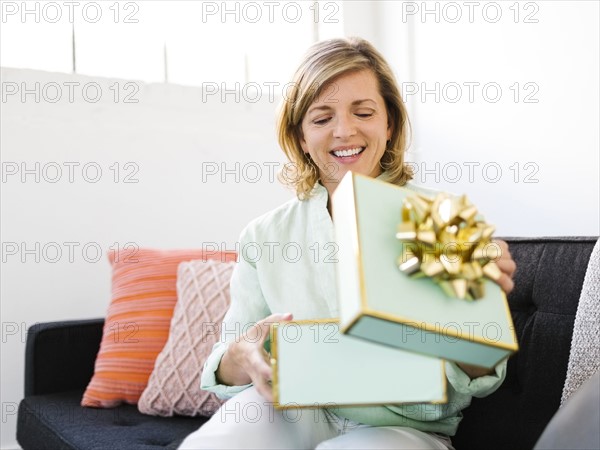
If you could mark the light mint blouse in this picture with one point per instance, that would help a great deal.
(286, 265)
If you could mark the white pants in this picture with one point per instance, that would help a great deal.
(248, 421)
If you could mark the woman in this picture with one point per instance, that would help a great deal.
(344, 113)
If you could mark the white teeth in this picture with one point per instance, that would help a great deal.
(350, 152)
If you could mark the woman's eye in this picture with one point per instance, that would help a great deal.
(321, 121)
(364, 115)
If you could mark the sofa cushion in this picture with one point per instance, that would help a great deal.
(202, 300)
(548, 280)
(57, 421)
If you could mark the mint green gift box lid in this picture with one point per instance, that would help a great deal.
(379, 303)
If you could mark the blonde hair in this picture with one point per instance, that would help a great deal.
(323, 62)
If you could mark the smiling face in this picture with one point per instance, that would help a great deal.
(346, 128)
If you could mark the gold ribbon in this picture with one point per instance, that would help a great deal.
(444, 239)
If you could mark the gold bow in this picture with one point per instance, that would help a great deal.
(444, 239)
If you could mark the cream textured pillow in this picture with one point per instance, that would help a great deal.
(202, 300)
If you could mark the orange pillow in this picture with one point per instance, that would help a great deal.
(137, 322)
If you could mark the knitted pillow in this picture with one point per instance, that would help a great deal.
(137, 322)
(203, 299)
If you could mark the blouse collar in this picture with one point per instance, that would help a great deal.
(320, 192)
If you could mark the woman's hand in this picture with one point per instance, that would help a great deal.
(246, 360)
(506, 265)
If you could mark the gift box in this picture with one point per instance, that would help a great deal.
(314, 365)
(379, 303)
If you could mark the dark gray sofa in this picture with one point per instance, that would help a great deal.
(60, 360)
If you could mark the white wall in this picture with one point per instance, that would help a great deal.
(171, 132)
(168, 136)
(532, 168)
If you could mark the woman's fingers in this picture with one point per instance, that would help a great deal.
(259, 361)
(505, 261)
(506, 265)
(259, 332)
(264, 388)
(263, 375)
(259, 369)
(506, 283)
(265, 324)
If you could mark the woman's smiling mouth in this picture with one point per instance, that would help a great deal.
(347, 153)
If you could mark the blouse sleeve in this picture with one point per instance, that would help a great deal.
(247, 307)
(476, 387)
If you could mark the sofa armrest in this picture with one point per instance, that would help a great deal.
(60, 356)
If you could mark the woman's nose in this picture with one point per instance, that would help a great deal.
(344, 127)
